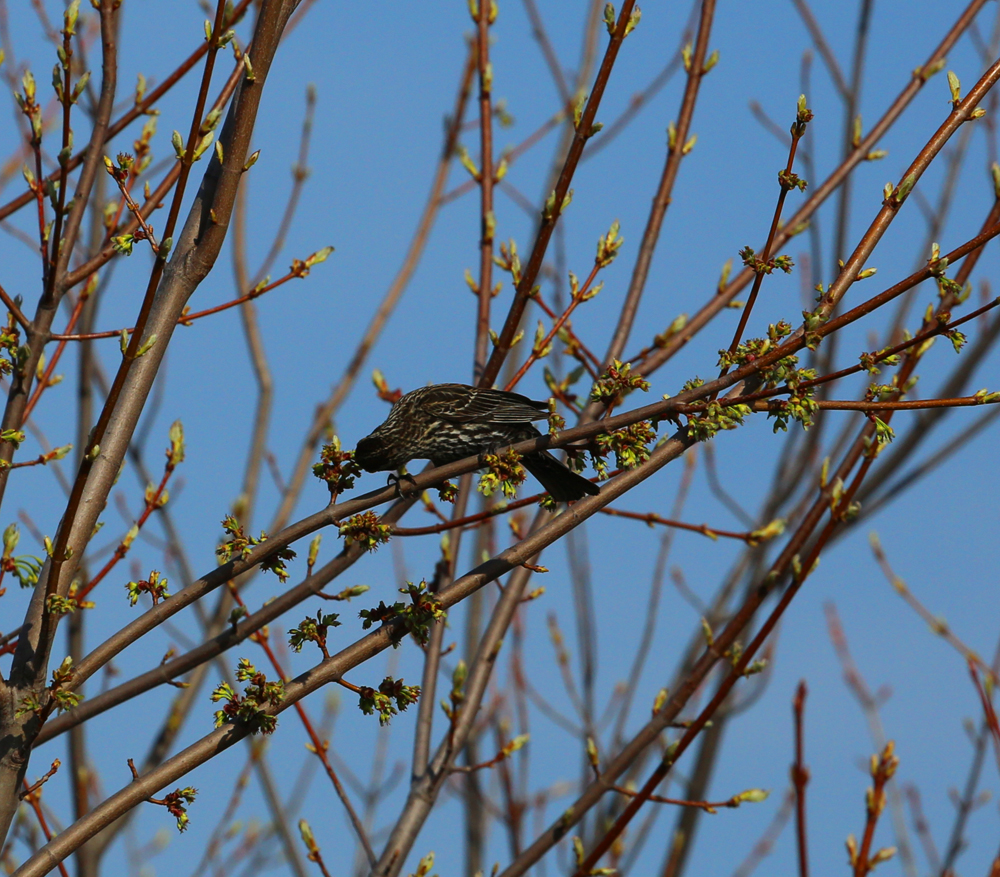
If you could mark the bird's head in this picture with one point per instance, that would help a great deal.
(375, 454)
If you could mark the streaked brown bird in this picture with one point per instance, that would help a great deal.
(446, 422)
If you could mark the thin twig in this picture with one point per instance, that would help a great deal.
(800, 779)
(833, 68)
(138, 110)
(936, 623)
(583, 131)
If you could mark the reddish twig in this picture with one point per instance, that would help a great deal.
(712, 533)
(186, 319)
(589, 359)
(14, 309)
(988, 710)
(153, 202)
(34, 787)
(122, 182)
(487, 218)
(66, 100)
(800, 779)
(538, 350)
(707, 806)
(41, 459)
(883, 767)
(483, 765)
(510, 155)
(152, 504)
(786, 182)
(140, 108)
(31, 795)
(46, 378)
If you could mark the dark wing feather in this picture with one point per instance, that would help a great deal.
(455, 404)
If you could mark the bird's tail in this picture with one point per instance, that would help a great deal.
(562, 484)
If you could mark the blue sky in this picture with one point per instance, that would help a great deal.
(384, 83)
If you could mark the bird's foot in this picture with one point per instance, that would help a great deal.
(398, 480)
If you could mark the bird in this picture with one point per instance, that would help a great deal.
(446, 422)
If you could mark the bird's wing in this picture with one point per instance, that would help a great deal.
(484, 406)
